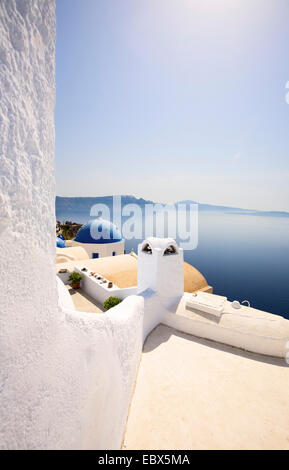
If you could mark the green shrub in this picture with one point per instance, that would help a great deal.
(75, 277)
(111, 302)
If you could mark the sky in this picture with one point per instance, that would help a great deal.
(174, 99)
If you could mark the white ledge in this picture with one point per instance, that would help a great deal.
(245, 328)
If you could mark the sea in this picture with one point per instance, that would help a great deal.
(243, 256)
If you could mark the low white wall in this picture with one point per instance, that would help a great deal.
(101, 292)
(103, 352)
(260, 344)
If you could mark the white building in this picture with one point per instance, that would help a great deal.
(99, 238)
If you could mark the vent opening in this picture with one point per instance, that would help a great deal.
(171, 250)
(147, 248)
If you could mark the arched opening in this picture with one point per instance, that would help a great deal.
(170, 250)
(147, 248)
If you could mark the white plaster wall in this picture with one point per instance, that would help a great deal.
(99, 376)
(65, 377)
(104, 249)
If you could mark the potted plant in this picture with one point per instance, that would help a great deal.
(75, 279)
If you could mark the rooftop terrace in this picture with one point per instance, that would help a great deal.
(196, 394)
(122, 271)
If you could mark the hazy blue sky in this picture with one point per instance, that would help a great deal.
(174, 99)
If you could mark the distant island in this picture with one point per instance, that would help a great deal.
(78, 208)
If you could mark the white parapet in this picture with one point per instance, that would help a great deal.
(245, 328)
(99, 289)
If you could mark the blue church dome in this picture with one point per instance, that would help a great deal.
(60, 242)
(98, 231)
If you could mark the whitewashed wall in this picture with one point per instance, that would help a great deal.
(65, 377)
(103, 249)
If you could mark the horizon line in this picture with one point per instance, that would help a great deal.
(177, 202)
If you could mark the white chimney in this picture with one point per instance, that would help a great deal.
(161, 268)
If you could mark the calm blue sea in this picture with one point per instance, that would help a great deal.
(244, 257)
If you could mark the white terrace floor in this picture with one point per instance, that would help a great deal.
(197, 394)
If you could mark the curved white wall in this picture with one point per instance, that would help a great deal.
(95, 371)
(65, 377)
